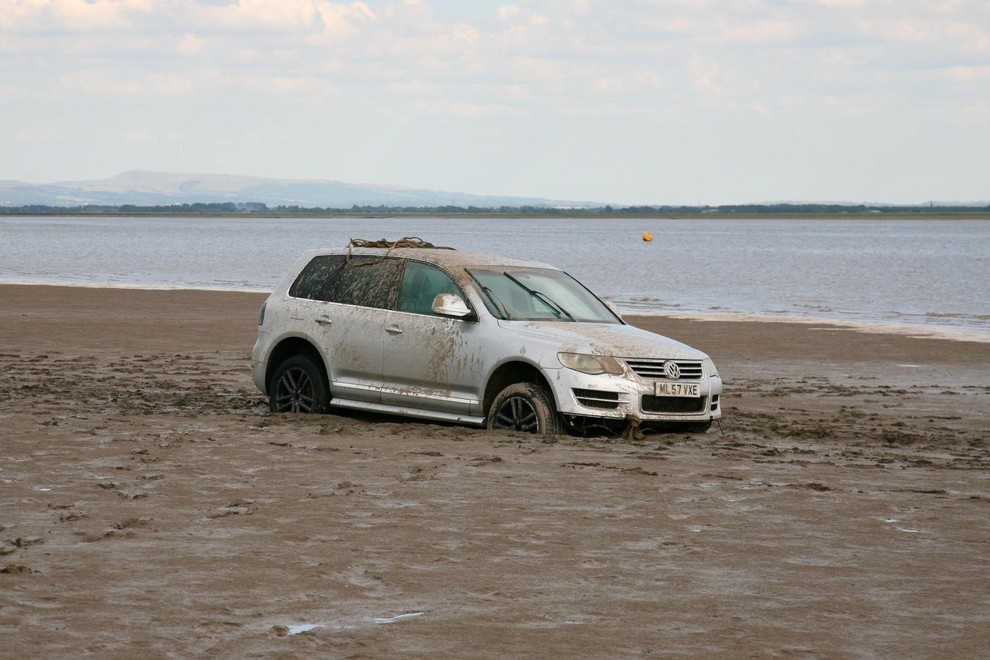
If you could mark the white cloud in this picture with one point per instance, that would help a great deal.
(967, 75)
(95, 83)
(74, 15)
(768, 32)
(256, 16)
(842, 4)
(465, 33)
(189, 44)
(508, 12)
(970, 38)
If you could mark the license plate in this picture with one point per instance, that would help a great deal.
(678, 389)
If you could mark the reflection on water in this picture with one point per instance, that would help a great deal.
(397, 617)
(301, 628)
(285, 630)
(922, 272)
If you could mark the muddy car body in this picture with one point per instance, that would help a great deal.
(470, 338)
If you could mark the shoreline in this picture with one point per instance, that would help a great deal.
(943, 213)
(912, 330)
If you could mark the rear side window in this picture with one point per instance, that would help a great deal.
(361, 280)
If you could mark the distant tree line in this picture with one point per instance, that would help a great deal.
(260, 209)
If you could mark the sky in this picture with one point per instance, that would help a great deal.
(611, 101)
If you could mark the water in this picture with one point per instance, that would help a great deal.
(928, 275)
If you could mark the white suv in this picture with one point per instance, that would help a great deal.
(471, 338)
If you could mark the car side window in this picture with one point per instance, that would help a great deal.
(358, 280)
(317, 278)
(420, 285)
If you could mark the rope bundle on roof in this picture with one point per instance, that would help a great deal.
(407, 242)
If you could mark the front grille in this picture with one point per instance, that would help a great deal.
(597, 399)
(653, 368)
(673, 404)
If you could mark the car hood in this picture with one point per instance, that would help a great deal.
(603, 339)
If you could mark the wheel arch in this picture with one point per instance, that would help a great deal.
(509, 373)
(288, 347)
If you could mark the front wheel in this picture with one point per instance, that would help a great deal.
(693, 427)
(299, 386)
(524, 407)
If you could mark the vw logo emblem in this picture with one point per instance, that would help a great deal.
(672, 371)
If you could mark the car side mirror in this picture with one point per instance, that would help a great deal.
(449, 304)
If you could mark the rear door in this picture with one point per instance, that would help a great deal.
(344, 303)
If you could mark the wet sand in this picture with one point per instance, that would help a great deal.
(150, 505)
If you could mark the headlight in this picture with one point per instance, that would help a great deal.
(590, 364)
(710, 368)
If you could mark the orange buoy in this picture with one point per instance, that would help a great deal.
(647, 236)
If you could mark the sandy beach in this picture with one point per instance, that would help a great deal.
(151, 506)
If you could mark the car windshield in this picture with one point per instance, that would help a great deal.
(539, 295)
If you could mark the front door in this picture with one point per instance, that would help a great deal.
(431, 362)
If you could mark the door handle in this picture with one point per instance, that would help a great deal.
(393, 330)
(324, 320)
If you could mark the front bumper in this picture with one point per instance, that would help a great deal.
(607, 396)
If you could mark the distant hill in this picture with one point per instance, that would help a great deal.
(163, 188)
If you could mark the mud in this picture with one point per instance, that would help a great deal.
(149, 504)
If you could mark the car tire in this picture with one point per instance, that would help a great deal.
(524, 407)
(299, 386)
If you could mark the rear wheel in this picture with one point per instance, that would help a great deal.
(524, 407)
(299, 386)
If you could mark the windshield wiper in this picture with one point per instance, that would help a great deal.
(497, 302)
(539, 295)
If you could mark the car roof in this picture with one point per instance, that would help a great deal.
(443, 257)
